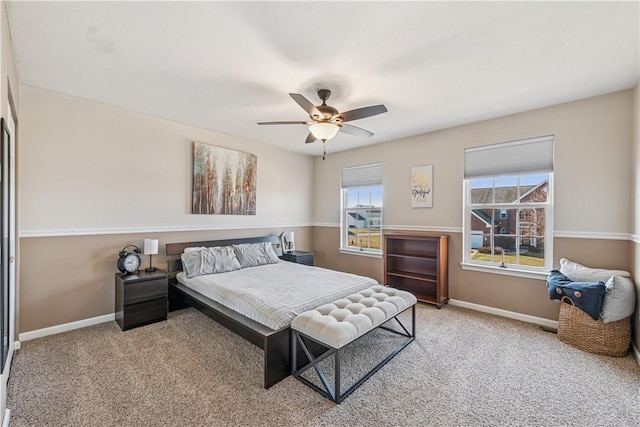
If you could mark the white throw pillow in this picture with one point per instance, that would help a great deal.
(191, 262)
(580, 273)
(619, 300)
(255, 254)
(219, 259)
(194, 249)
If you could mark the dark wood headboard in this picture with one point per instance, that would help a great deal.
(175, 265)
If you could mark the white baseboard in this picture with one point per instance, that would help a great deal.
(505, 313)
(635, 352)
(5, 419)
(31, 335)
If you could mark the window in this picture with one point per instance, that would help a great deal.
(361, 219)
(507, 207)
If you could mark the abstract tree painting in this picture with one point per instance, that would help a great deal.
(224, 181)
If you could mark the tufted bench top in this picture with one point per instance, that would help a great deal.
(340, 322)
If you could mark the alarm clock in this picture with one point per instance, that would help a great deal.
(129, 262)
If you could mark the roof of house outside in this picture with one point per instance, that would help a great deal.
(503, 194)
(486, 218)
(356, 216)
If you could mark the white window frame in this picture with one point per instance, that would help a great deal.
(360, 177)
(495, 267)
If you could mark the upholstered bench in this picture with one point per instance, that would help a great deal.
(341, 322)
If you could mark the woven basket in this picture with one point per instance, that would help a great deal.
(578, 329)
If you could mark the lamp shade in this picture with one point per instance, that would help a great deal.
(324, 131)
(150, 246)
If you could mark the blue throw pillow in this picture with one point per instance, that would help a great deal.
(587, 296)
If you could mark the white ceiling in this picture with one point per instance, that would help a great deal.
(225, 66)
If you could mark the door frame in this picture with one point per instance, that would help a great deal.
(13, 344)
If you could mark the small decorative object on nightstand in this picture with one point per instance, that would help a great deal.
(129, 262)
(141, 298)
(299, 257)
(150, 248)
(287, 242)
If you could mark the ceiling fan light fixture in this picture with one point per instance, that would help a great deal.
(324, 131)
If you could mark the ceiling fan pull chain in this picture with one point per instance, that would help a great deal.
(324, 150)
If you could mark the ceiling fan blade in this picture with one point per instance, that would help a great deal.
(310, 138)
(284, 123)
(361, 113)
(355, 131)
(306, 105)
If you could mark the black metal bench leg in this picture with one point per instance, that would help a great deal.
(336, 397)
(335, 393)
(314, 362)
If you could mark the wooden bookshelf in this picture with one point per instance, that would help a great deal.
(418, 264)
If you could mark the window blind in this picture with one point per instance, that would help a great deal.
(509, 158)
(358, 176)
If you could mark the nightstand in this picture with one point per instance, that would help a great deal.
(299, 257)
(141, 298)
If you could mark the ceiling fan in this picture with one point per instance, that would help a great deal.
(327, 121)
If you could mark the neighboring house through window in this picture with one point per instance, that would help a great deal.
(508, 205)
(361, 219)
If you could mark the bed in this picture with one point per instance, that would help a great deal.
(259, 303)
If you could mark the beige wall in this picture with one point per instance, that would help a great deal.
(72, 277)
(97, 168)
(591, 157)
(94, 178)
(525, 296)
(10, 80)
(591, 200)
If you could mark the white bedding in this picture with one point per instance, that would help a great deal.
(274, 294)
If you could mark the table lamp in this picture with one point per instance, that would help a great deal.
(150, 248)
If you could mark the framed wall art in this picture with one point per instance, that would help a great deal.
(224, 181)
(422, 186)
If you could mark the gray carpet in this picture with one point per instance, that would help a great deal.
(465, 369)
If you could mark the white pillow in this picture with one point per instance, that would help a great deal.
(191, 263)
(581, 273)
(219, 259)
(194, 249)
(619, 300)
(255, 254)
